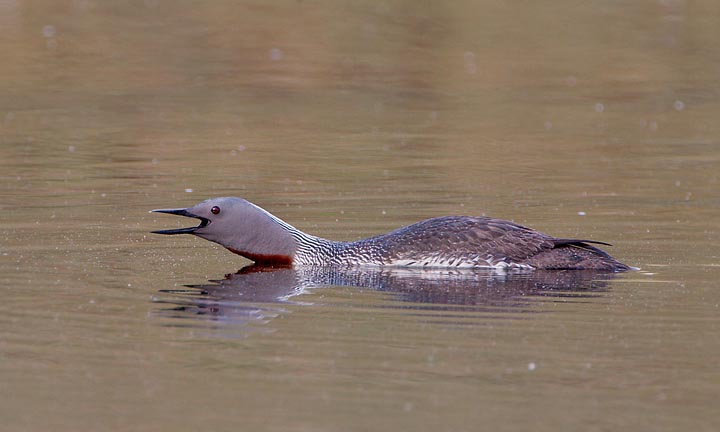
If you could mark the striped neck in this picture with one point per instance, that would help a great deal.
(310, 250)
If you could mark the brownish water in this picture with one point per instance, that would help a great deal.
(592, 119)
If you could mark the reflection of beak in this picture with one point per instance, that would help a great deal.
(182, 212)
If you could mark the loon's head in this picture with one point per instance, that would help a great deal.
(241, 227)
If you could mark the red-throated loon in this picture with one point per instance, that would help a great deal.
(449, 242)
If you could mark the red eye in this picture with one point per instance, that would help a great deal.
(215, 210)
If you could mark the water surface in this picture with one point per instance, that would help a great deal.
(348, 120)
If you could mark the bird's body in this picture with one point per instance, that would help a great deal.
(450, 241)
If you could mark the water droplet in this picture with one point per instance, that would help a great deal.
(71, 149)
(531, 366)
(581, 213)
(49, 31)
(679, 105)
(188, 190)
(470, 66)
(599, 107)
(276, 54)
(547, 125)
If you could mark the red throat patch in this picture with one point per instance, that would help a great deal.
(266, 260)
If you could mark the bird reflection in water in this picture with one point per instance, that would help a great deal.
(258, 294)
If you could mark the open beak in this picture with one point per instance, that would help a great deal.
(182, 212)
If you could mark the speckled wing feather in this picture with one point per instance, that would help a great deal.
(462, 240)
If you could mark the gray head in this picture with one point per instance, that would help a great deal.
(240, 226)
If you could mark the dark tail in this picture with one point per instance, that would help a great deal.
(563, 242)
(578, 255)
